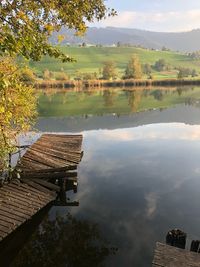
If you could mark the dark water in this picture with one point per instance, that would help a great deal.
(139, 177)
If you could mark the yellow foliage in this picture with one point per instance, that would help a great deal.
(17, 106)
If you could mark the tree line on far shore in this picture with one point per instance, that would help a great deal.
(109, 71)
(135, 70)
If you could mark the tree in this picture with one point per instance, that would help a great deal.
(180, 74)
(17, 107)
(134, 99)
(62, 76)
(84, 44)
(109, 97)
(160, 65)
(147, 69)
(25, 25)
(194, 55)
(90, 76)
(47, 75)
(185, 72)
(133, 69)
(109, 70)
(158, 94)
(165, 48)
(194, 73)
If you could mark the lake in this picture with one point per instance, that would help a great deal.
(139, 176)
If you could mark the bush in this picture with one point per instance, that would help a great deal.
(27, 76)
(47, 75)
(62, 76)
(90, 76)
(161, 65)
(185, 72)
(109, 70)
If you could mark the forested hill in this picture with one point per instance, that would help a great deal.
(181, 41)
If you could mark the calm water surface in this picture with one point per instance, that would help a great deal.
(139, 177)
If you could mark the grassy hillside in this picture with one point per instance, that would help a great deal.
(90, 59)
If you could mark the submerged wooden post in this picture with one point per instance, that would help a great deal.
(176, 238)
(195, 246)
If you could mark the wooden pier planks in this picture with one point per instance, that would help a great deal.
(51, 156)
(52, 151)
(18, 203)
(169, 256)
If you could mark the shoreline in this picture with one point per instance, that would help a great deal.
(118, 83)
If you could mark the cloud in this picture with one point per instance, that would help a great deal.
(162, 131)
(152, 200)
(157, 21)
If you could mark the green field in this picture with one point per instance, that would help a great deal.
(91, 59)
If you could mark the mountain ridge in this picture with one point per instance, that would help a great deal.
(186, 41)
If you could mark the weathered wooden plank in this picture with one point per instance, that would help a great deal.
(2, 235)
(50, 159)
(9, 225)
(78, 136)
(29, 164)
(47, 176)
(46, 184)
(59, 148)
(68, 146)
(46, 164)
(28, 191)
(62, 169)
(10, 216)
(61, 137)
(5, 229)
(52, 148)
(49, 162)
(15, 203)
(58, 155)
(46, 194)
(22, 195)
(169, 256)
(43, 190)
(26, 210)
(4, 218)
(13, 212)
(19, 201)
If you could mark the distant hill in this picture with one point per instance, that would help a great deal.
(180, 41)
(91, 59)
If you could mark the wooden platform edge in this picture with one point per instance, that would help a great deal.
(170, 256)
(28, 191)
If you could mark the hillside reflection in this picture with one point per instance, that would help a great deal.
(65, 241)
(62, 103)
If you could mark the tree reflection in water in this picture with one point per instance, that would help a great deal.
(65, 242)
(134, 99)
(109, 97)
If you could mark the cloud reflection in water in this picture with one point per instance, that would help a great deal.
(137, 183)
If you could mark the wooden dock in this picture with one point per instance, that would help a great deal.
(39, 176)
(169, 256)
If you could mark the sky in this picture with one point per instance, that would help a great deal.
(155, 15)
